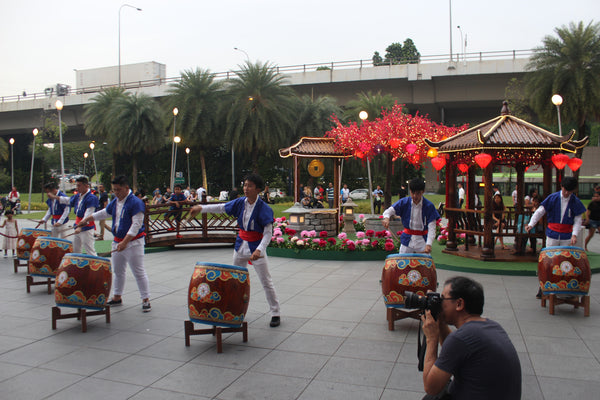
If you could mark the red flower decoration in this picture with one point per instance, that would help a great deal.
(331, 240)
(283, 219)
(322, 243)
(289, 231)
(323, 234)
(370, 232)
(351, 246)
(389, 246)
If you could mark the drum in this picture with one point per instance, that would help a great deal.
(83, 281)
(46, 254)
(564, 270)
(407, 273)
(219, 294)
(26, 240)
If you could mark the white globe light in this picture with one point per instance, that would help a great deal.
(557, 99)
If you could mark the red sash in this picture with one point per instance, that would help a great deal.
(91, 224)
(56, 217)
(413, 232)
(250, 236)
(119, 240)
(560, 228)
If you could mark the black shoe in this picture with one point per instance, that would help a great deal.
(114, 302)
(539, 294)
(275, 321)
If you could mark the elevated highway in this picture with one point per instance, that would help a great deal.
(469, 90)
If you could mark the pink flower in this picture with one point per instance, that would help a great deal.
(462, 235)
(388, 234)
(304, 234)
(278, 220)
(389, 246)
(342, 236)
(280, 240)
(360, 235)
(361, 216)
(312, 233)
(366, 242)
(277, 232)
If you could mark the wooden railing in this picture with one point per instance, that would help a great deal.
(168, 228)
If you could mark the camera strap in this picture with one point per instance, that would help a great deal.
(421, 348)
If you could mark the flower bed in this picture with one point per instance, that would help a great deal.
(316, 244)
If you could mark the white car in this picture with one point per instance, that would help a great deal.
(276, 193)
(359, 194)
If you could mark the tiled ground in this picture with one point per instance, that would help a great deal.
(333, 342)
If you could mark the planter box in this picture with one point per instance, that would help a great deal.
(376, 224)
(371, 255)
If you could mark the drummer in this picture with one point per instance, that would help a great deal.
(255, 219)
(128, 229)
(85, 204)
(564, 212)
(56, 210)
(419, 218)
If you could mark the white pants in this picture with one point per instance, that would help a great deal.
(557, 242)
(405, 249)
(84, 240)
(262, 270)
(59, 231)
(134, 256)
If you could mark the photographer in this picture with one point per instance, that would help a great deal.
(479, 354)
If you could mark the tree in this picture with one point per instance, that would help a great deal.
(377, 60)
(136, 127)
(396, 53)
(98, 116)
(258, 111)
(410, 54)
(373, 104)
(197, 96)
(314, 116)
(568, 65)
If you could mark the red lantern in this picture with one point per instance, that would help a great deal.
(560, 160)
(463, 167)
(411, 148)
(438, 163)
(483, 159)
(395, 143)
(574, 163)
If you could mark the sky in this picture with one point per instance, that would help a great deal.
(43, 42)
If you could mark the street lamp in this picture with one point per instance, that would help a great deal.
(172, 176)
(557, 101)
(187, 152)
(59, 107)
(92, 145)
(85, 156)
(462, 45)
(363, 115)
(176, 141)
(247, 58)
(35, 132)
(12, 164)
(120, 8)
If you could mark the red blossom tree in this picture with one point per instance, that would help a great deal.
(395, 134)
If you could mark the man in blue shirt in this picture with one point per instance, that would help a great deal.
(57, 211)
(377, 197)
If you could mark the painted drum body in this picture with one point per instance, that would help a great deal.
(219, 294)
(564, 270)
(407, 273)
(46, 254)
(83, 281)
(26, 239)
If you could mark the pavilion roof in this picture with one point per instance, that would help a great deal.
(314, 147)
(507, 132)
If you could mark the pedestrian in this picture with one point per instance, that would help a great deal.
(58, 212)
(345, 193)
(377, 195)
(592, 217)
(330, 195)
(419, 218)
(127, 212)
(177, 200)
(13, 198)
(402, 192)
(255, 220)
(85, 204)
(478, 354)
(498, 215)
(461, 195)
(11, 230)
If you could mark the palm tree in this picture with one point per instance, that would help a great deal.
(258, 111)
(570, 66)
(197, 96)
(314, 115)
(136, 127)
(98, 115)
(373, 104)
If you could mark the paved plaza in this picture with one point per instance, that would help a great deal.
(333, 342)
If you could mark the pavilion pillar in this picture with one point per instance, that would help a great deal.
(297, 193)
(470, 200)
(451, 197)
(547, 167)
(488, 222)
(520, 168)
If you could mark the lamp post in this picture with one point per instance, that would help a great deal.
(450, 13)
(12, 164)
(363, 115)
(35, 132)
(187, 152)
(557, 101)
(172, 176)
(176, 141)
(59, 107)
(92, 145)
(120, 8)
(462, 45)
(85, 156)
(247, 58)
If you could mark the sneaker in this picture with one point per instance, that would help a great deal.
(114, 302)
(146, 307)
(275, 321)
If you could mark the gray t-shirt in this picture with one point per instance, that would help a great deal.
(483, 361)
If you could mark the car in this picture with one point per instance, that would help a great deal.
(276, 193)
(359, 194)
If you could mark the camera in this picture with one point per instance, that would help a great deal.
(431, 301)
